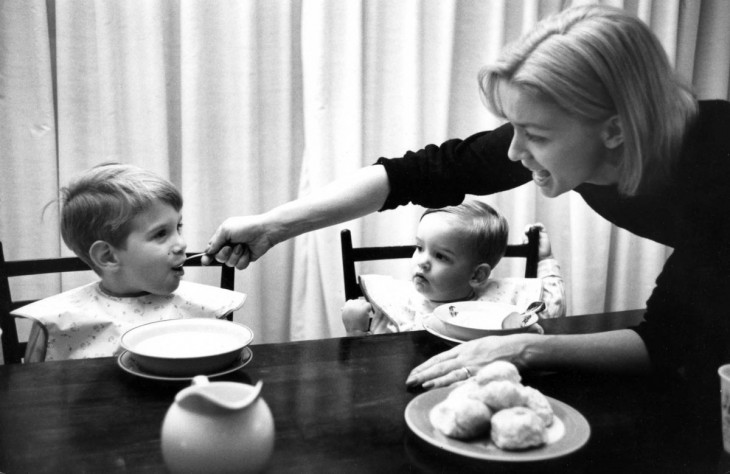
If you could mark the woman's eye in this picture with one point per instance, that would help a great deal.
(534, 138)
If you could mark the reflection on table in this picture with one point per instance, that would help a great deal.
(339, 406)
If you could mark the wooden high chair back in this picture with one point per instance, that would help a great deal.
(13, 349)
(350, 255)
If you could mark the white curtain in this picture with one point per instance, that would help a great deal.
(248, 104)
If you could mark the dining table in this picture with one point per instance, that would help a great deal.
(340, 406)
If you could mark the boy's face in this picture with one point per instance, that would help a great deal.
(155, 251)
(444, 260)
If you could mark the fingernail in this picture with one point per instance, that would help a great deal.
(428, 384)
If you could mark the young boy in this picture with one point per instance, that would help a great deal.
(125, 223)
(456, 249)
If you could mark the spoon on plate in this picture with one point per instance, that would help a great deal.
(527, 318)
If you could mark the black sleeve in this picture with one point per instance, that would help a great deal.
(439, 176)
(687, 321)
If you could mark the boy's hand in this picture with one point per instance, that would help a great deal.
(356, 316)
(544, 250)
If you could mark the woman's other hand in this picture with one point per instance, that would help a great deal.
(448, 367)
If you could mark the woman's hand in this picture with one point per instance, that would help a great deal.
(238, 241)
(448, 367)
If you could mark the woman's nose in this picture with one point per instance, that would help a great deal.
(516, 151)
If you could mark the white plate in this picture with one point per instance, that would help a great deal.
(568, 433)
(181, 347)
(433, 325)
(128, 364)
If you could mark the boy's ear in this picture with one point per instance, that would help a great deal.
(480, 275)
(103, 255)
(612, 133)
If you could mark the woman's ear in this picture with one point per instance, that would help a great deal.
(480, 276)
(103, 255)
(612, 133)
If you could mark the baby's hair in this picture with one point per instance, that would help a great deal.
(485, 227)
(101, 204)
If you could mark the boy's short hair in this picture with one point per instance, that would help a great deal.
(101, 204)
(485, 227)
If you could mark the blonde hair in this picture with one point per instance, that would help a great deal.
(101, 204)
(486, 228)
(595, 62)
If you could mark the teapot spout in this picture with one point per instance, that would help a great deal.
(228, 395)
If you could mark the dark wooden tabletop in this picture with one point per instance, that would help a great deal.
(338, 406)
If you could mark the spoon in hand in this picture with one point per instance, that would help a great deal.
(527, 318)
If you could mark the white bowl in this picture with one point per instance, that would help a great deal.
(186, 347)
(467, 320)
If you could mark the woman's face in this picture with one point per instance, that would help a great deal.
(561, 150)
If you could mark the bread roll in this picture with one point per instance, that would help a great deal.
(498, 370)
(537, 402)
(502, 394)
(460, 418)
(517, 428)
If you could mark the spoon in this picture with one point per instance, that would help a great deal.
(527, 318)
(198, 255)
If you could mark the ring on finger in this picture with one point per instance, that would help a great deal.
(466, 371)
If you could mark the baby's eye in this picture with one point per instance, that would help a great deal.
(179, 227)
(442, 257)
(161, 234)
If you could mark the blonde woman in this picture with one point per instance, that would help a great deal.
(594, 107)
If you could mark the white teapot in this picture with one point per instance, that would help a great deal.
(218, 427)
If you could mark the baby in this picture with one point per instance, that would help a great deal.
(456, 250)
(126, 224)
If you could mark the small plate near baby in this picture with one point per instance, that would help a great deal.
(467, 320)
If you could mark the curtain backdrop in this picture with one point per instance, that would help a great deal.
(248, 104)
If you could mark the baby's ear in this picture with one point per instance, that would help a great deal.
(103, 255)
(480, 275)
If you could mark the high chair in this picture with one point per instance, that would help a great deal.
(350, 255)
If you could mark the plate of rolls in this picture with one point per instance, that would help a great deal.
(492, 416)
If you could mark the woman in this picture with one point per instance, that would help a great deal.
(594, 107)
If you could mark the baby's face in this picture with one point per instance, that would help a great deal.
(155, 251)
(444, 260)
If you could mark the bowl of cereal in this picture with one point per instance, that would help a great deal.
(186, 347)
(467, 320)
